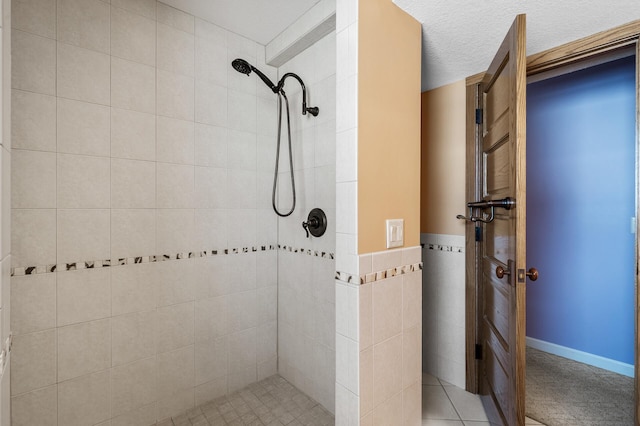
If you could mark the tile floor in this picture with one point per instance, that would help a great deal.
(275, 402)
(444, 404)
(271, 402)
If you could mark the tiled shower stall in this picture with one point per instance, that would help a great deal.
(150, 273)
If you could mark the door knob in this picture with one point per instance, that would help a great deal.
(532, 273)
(501, 272)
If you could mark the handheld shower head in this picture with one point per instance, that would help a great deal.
(245, 67)
(241, 66)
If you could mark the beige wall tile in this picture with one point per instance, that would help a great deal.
(33, 179)
(267, 341)
(83, 74)
(366, 315)
(210, 360)
(33, 121)
(133, 337)
(211, 104)
(33, 361)
(411, 356)
(5, 202)
(133, 36)
(133, 135)
(366, 381)
(211, 54)
(83, 128)
(387, 308)
(211, 318)
(83, 235)
(133, 184)
(389, 412)
(210, 146)
(84, 23)
(36, 408)
(175, 282)
(145, 8)
(83, 295)
(242, 311)
(133, 86)
(175, 404)
(33, 305)
(412, 405)
(411, 300)
(210, 277)
(211, 191)
(267, 307)
(175, 142)
(211, 390)
(175, 94)
(142, 416)
(237, 381)
(176, 18)
(175, 50)
(85, 400)
(84, 348)
(133, 386)
(176, 323)
(35, 16)
(33, 237)
(33, 63)
(175, 186)
(133, 288)
(175, 371)
(175, 230)
(133, 233)
(242, 351)
(83, 182)
(210, 226)
(387, 370)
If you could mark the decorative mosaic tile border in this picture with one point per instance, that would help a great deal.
(314, 253)
(440, 247)
(379, 275)
(95, 264)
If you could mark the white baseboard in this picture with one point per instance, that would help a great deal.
(583, 357)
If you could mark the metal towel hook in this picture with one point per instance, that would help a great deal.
(505, 203)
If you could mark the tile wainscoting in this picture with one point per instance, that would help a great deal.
(443, 310)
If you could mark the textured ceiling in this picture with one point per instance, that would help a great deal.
(258, 20)
(459, 37)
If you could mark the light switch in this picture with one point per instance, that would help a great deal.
(395, 233)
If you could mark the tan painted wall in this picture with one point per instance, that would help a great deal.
(388, 123)
(443, 160)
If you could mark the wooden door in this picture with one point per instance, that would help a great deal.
(502, 147)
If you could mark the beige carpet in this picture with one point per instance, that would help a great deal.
(562, 392)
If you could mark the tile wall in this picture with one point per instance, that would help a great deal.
(443, 311)
(306, 292)
(144, 246)
(5, 213)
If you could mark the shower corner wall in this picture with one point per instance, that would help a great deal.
(150, 272)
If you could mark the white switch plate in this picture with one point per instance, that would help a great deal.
(395, 233)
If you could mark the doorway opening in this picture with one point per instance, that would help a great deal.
(581, 207)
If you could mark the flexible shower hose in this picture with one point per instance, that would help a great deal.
(281, 95)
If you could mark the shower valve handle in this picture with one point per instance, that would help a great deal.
(316, 223)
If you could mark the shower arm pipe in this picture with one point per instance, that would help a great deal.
(312, 110)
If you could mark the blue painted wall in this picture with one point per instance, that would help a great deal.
(580, 200)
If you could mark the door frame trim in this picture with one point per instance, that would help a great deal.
(565, 54)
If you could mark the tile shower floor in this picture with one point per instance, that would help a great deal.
(271, 402)
(275, 402)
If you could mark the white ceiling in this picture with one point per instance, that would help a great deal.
(258, 20)
(459, 37)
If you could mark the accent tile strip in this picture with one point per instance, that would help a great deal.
(440, 247)
(379, 275)
(94, 264)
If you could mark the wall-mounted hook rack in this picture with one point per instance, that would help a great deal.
(505, 203)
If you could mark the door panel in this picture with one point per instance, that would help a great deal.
(502, 149)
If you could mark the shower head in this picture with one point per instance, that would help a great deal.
(245, 67)
(241, 66)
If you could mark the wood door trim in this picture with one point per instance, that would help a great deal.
(568, 53)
